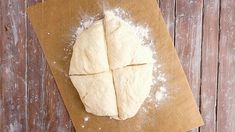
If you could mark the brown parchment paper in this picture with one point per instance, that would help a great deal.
(53, 21)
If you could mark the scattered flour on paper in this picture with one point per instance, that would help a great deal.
(86, 119)
(160, 95)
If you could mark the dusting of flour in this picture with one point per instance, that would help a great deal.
(86, 119)
(160, 95)
(141, 30)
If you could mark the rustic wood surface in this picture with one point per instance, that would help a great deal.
(204, 36)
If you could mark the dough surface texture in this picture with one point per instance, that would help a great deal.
(90, 51)
(132, 85)
(97, 93)
(124, 46)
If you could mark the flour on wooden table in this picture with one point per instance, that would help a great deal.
(14, 126)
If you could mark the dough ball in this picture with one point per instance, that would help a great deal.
(111, 68)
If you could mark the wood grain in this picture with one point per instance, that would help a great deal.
(188, 41)
(1, 70)
(13, 68)
(36, 83)
(226, 89)
(168, 12)
(46, 109)
(209, 64)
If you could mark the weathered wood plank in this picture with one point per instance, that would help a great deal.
(13, 67)
(209, 64)
(188, 40)
(58, 116)
(46, 109)
(168, 12)
(36, 72)
(226, 88)
(36, 84)
(1, 47)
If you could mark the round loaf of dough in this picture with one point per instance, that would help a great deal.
(111, 69)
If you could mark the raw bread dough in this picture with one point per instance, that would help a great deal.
(124, 46)
(97, 93)
(132, 86)
(111, 69)
(90, 51)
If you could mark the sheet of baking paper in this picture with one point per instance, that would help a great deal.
(175, 110)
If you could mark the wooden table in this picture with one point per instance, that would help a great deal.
(204, 36)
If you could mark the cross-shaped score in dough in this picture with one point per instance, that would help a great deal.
(111, 68)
